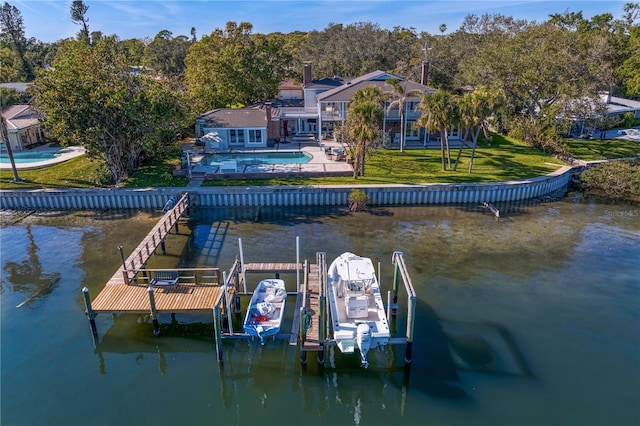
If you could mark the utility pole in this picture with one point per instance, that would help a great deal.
(425, 65)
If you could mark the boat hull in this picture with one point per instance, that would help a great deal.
(358, 317)
(266, 309)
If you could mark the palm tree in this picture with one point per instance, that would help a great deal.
(439, 114)
(5, 137)
(475, 108)
(400, 97)
(363, 124)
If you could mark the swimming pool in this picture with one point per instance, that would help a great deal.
(24, 157)
(254, 158)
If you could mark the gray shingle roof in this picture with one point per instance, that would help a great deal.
(345, 92)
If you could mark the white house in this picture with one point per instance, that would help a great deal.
(619, 106)
(23, 128)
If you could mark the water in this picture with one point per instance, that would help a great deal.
(541, 309)
(29, 157)
(249, 159)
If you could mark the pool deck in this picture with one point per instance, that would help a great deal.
(319, 163)
(67, 153)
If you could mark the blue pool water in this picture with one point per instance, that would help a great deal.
(28, 157)
(253, 158)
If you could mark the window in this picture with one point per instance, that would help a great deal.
(236, 137)
(255, 136)
(412, 129)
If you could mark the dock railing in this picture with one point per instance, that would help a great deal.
(194, 276)
(401, 271)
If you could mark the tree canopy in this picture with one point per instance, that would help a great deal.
(91, 99)
(232, 66)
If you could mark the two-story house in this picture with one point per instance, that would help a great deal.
(324, 104)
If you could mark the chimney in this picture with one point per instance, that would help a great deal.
(267, 110)
(425, 73)
(306, 76)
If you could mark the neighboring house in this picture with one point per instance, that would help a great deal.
(324, 104)
(23, 128)
(289, 89)
(18, 87)
(619, 106)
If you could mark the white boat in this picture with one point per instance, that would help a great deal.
(266, 309)
(357, 312)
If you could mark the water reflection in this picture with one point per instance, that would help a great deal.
(28, 276)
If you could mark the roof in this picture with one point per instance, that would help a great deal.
(19, 87)
(620, 105)
(326, 83)
(20, 117)
(289, 85)
(235, 118)
(378, 78)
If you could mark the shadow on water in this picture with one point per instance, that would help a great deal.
(446, 347)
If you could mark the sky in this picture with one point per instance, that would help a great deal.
(49, 20)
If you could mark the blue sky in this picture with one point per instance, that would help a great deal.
(49, 20)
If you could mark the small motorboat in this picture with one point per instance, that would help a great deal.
(357, 312)
(266, 309)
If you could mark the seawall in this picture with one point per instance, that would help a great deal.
(270, 196)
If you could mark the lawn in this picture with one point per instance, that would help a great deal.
(78, 172)
(501, 159)
(603, 149)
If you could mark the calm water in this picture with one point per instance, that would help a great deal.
(250, 159)
(532, 320)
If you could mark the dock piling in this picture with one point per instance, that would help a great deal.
(124, 263)
(217, 332)
(154, 313)
(90, 313)
(396, 272)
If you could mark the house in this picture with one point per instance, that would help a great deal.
(620, 106)
(324, 104)
(251, 127)
(333, 103)
(23, 128)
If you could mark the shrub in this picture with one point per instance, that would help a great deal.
(617, 180)
(358, 200)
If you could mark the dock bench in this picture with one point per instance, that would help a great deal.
(164, 278)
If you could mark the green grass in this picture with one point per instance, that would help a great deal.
(78, 172)
(158, 174)
(602, 149)
(501, 159)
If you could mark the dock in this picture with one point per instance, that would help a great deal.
(127, 291)
(136, 289)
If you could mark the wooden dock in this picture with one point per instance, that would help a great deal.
(311, 302)
(136, 289)
(184, 296)
(127, 291)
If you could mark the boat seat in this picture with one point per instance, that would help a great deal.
(357, 306)
(164, 278)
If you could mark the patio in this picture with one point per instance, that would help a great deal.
(327, 158)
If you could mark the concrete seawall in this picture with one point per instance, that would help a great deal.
(334, 195)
